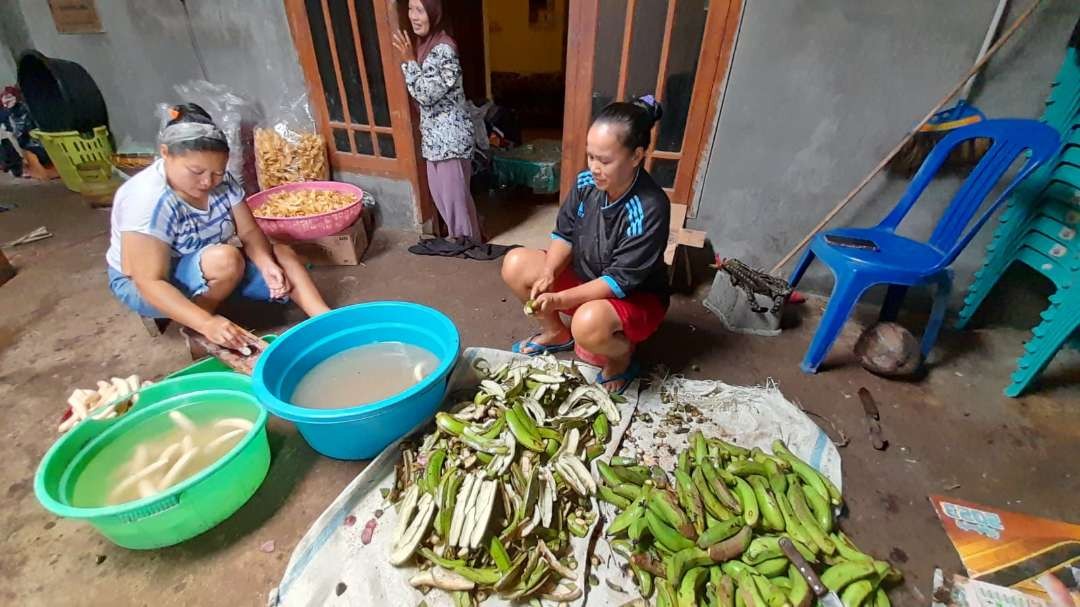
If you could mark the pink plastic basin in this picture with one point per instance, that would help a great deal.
(308, 226)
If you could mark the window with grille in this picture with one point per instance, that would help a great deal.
(341, 45)
(350, 68)
(676, 50)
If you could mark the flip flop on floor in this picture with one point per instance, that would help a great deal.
(465, 249)
(439, 247)
(488, 252)
(627, 377)
(536, 349)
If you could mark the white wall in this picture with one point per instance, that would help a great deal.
(7, 66)
(146, 50)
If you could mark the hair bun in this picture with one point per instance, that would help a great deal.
(650, 105)
(189, 112)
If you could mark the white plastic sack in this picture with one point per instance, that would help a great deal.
(332, 552)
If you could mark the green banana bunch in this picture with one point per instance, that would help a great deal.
(487, 503)
(691, 586)
(806, 519)
(838, 576)
(747, 501)
(709, 499)
(690, 500)
(707, 533)
(665, 506)
(772, 519)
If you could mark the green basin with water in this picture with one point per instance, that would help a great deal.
(68, 485)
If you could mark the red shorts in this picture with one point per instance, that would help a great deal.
(640, 313)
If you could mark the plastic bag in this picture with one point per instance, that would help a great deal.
(233, 114)
(480, 132)
(289, 149)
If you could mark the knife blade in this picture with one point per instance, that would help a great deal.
(827, 597)
(873, 417)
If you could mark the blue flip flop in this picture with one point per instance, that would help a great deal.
(537, 349)
(627, 377)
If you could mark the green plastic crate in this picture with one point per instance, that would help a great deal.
(70, 149)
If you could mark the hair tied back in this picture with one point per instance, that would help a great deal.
(650, 105)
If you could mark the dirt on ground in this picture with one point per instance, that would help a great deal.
(951, 432)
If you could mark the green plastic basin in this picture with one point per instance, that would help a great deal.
(189, 507)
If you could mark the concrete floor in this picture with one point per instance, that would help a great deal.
(517, 216)
(952, 433)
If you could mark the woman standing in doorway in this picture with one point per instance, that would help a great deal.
(605, 266)
(433, 77)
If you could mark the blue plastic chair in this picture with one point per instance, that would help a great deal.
(902, 262)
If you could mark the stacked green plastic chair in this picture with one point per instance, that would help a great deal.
(1039, 228)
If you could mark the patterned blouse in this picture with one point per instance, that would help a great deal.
(446, 129)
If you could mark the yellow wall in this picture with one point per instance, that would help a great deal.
(516, 47)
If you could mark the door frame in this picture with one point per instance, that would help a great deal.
(583, 17)
(714, 67)
(718, 43)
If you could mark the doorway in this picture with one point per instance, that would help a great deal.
(540, 69)
(513, 60)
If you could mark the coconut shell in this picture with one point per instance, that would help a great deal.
(888, 349)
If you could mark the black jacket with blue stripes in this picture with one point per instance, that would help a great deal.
(621, 242)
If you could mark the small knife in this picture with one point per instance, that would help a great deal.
(827, 597)
(873, 417)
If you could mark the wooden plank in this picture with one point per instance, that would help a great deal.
(661, 76)
(580, 54)
(678, 235)
(678, 217)
(337, 71)
(624, 59)
(385, 130)
(664, 155)
(691, 238)
(75, 16)
(362, 68)
(368, 165)
(721, 30)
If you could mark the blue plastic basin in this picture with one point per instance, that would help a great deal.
(357, 432)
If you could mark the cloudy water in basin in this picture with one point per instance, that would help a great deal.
(137, 466)
(364, 375)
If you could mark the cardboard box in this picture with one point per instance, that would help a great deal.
(346, 248)
(7, 271)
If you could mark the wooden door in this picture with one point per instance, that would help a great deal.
(357, 91)
(676, 50)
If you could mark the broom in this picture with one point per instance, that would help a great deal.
(940, 124)
(765, 293)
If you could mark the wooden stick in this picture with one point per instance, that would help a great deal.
(896, 150)
(34, 235)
